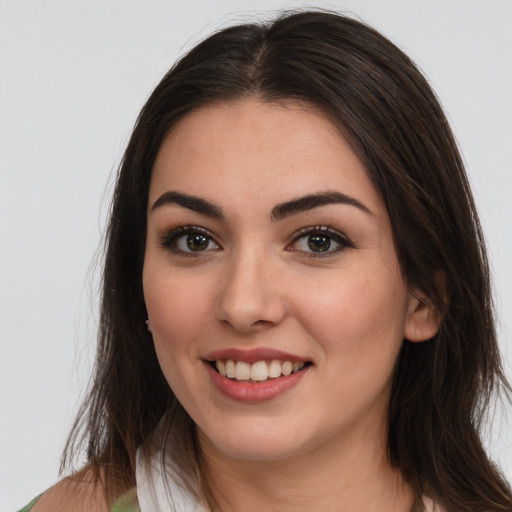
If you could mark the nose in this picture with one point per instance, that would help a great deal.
(251, 298)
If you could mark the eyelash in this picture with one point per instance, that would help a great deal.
(326, 231)
(169, 240)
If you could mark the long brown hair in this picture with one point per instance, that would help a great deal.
(394, 122)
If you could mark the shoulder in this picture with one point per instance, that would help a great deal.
(81, 492)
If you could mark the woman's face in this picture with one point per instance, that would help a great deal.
(267, 245)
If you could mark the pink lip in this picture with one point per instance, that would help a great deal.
(253, 355)
(255, 391)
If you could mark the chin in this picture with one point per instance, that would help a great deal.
(261, 443)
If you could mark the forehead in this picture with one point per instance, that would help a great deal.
(250, 148)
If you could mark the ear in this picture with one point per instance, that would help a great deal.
(423, 321)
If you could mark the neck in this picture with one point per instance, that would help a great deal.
(345, 474)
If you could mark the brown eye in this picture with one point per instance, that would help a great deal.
(197, 242)
(193, 242)
(319, 243)
(188, 240)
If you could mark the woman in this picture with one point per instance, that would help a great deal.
(296, 310)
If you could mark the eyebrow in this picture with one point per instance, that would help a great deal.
(309, 202)
(194, 203)
(279, 212)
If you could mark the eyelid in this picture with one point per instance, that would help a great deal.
(326, 229)
(168, 237)
(338, 236)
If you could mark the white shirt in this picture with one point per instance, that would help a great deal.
(159, 491)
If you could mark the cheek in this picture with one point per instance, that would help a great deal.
(358, 316)
(177, 305)
(177, 316)
(179, 311)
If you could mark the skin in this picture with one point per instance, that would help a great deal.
(322, 444)
(79, 493)
(257, 283)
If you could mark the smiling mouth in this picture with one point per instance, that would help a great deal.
(259, 371)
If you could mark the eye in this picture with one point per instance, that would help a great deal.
(320, 241)
(187, 240)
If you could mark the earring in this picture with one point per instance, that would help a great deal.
(148, 325)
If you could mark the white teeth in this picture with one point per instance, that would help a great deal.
(242, 371)
(230, 369)
(221, 366)
(274, 369)
(258, 371)
(287, 368)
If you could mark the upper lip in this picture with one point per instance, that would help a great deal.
(253, 355)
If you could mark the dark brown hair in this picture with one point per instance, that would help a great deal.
(389, 114)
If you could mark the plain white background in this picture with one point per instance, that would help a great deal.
(73, 76)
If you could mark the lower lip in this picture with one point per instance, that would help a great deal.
(255, 391)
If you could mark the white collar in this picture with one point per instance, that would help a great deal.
(162, 491)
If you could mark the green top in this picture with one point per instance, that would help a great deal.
(126, 503)
(28, 508)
